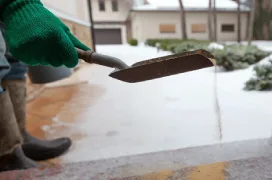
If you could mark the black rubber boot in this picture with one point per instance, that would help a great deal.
(33, 148)
(44, 149)
(11, 154)
(16, 161)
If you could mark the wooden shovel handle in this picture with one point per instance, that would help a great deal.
(103, 60)
(84, 55)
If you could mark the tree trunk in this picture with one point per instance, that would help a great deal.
(92, 24)
(215, 20)
(267, 26)
(183, 20)
(210, 21)
(239, 21)
(251, 23)
(262, 18)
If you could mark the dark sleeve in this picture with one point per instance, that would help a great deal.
(10, 58)
(8, 55)
(3, 4)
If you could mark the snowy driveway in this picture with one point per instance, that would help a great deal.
(169, 113)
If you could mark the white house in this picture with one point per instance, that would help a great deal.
(161, 19)
(115, 21)
(110, 17)
(75, 15)
(111, 20)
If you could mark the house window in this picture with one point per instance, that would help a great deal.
(227, 27)
(101, 4)
(198, 28)
(167, 28)
(114, 4)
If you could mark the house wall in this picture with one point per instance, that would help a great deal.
(66, 6)
(108, 15)
(75, 8)
(79, 9)
(82, 10)
(72, 13)
(109, 19)
(102, 19)
(145, 25)
(82, 32)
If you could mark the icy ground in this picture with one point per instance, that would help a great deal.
(168, 113)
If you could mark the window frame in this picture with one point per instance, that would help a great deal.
(227, 31)
(199, 31)
(112, 5)
(163, 28)
(101, 3)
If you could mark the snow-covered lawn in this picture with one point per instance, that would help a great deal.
(168, 113)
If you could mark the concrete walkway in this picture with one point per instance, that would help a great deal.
(163, 129)
(251, 160)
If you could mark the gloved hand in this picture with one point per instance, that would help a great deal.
(36, 36)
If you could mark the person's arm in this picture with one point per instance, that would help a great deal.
(36, 36)
(2, 29)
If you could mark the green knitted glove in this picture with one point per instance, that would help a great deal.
(36, 36)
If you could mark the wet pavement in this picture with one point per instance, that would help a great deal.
(147, 130)
(120, 119)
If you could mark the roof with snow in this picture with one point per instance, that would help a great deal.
(189, 5)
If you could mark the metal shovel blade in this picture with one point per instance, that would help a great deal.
(165, 66)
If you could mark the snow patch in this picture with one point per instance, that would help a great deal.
(214, 46)
(265, 61)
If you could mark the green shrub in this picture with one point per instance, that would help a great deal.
(165, 42)
(262, 79)
(230, 58)
(188, 46)
(238, 56)
(133, 42)
(172, 44)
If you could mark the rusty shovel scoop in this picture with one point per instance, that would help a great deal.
(152, 68)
